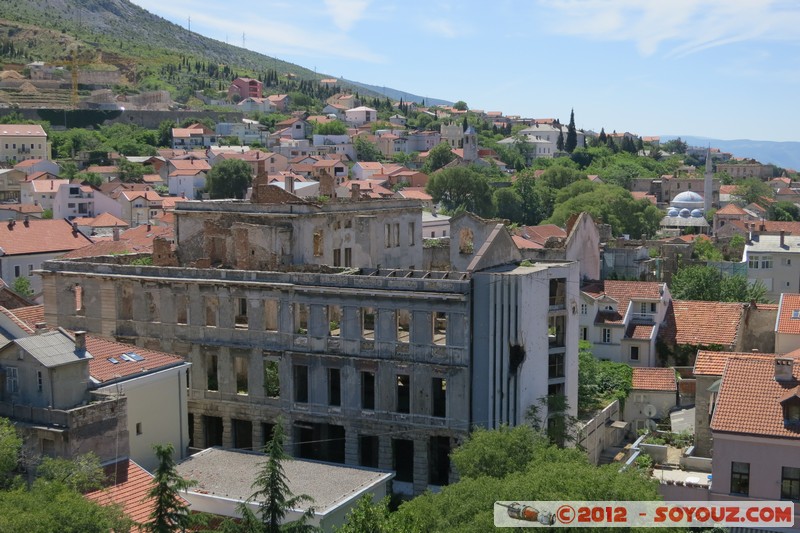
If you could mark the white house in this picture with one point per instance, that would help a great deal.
(360, 115)
(773, 260)
(40, 192)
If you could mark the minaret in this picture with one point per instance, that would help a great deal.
(708, 185)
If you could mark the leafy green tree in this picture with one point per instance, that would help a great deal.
(784, 212)
(753, 190)
(10, 446)
(705, 250)
(365, 150)
(572, 134)
(130, 172)
(461, 105)
(53, 507)
(462, 187)
(600, 381)
(272, 491)
(92, 178)
(69, 170)
(509, 204)
(334, 127)
(229, 178)
(367, 517)
(164, 133)
(82, 474)
(22, 286)
(47, 214)
(495, 453)
(438, 156)
(700, 282)
(171, 512)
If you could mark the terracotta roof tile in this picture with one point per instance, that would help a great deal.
(702, 323)
(524, 244)
(789, 314)
(623, 292)
(25, 317)
(640, 331)
(727, 189)
(415, 193)
(662, 379)
(40, 236)
(750, 399)
(23, 208)
(731, 209)
(103, 370)
(130, 492)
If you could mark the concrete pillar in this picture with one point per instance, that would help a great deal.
(350, 445)
(258, 435)
(420, 465)
(385, 453)
(227, 433)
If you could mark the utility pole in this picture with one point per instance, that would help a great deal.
(243, 40)
(190, 24)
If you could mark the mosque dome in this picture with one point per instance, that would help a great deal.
(673, 212)
(685, 213)
(697, 213)
(688, 199)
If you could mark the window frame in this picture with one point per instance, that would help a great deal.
(741, 478)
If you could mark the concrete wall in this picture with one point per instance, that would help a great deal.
(72, 380)
(597, 434)
(702, 418)
(758, 331)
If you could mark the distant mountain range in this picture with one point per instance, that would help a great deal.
(783, 154)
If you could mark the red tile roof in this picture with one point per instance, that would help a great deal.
(23, 208)
(103, 370)
(662, 379)
(710, 363)
(640, 331)
(22, 129)
(750, 399)
(702, 323)
(40, 236)
(25, 317)
(189, 164)
(415, 193)
(104, 220)
(524, 244)
(623, 292)
(731, 209)
(129, 492)
(727, 189)
(28, 163)
(540, 234)
(133, 241)
(789, 314)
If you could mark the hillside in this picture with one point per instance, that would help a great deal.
(138, 42)
(782, 154)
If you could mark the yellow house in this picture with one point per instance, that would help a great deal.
(19, 142)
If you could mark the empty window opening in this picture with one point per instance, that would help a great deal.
(271, 315)
(334, 387)
(440, 328)
(211, 372)
(321, 442)
(368, 390)
(555, 367)
(439, 461)
(387, 235)
(211, 305)
(39, 381)
(272, 381)
(403, 393)
(337, 257)
(334, 320)
(301, 383)
(212, 430)
(368, 451)
(556, 331)
(181, 308)
(242, 434)
(240, 369)
(403, 459)
(634, 353)
(555, 389)
(412, 230)
(348, 257)
(79, 309)
(241, 313)
(558, 292)
(466, 244)
(138, 428)
(191, 430)
(439, 397)
(396, 234)
(266, 432)
(368, 323)
(301, 318)
(403, 326)
(151, 301)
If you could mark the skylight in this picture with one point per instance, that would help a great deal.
(796, 313)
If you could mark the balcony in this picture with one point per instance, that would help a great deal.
(649, 318)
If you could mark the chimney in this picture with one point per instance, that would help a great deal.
(355, 191)
(26, 220)
(115, 232)
(11, 223)
(74, 227)
(80, 342)
(783, 235)
(40, 327)
(289, 183)
(783, 369)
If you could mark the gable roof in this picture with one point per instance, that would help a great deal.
(788, 314)
(709, 363)
(47, 185)
(104, 220)
(702, 323)
(25, 317)
(750, 399)
(655, 379)
(731, 209)
(622, 292)
(40, 236)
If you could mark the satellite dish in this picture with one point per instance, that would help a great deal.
(650, 410)
(651, 424)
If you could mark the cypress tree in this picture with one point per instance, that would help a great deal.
(572, 134)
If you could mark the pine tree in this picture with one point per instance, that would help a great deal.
(272, 489)
(572, 134)
(171, 512)
(560, 141)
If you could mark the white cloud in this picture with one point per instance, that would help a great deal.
(441, 27)
(681, 27)
(346, 13)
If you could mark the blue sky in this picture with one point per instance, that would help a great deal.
(727, 69)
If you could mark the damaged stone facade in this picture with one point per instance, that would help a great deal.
(379, 366)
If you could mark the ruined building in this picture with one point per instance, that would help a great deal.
(370, 362)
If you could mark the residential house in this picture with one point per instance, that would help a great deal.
(32, 166)
(259, 162)
(398, 120)
(20, 211)
(280, 102)
(344, 100)
(107, 172)
(104, 225)
(756, 431)
(364, 170)
(242, 88)
(358, 116)
(333, 167)
(742, 169)
(422, 141)
(787, 326)
(336, 111)
(773, 260)
(138, 207)
(247, 131)
(417, 193)
(19, 142)
(225, 479)
(727, 214)
(135, 241)
(193, 136)
(129, 490)
(390, 144)
(40, 192)
(336, 144)
(256, 105)
(654, 393)
(26, 245)
(363, 189)
(690, 325)
(622, 319)
(292, 128)
(435, 225)
(10, 180)
(74, 200)
(186, 177)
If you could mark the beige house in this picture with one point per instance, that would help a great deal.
(653, 394)
(19, 142)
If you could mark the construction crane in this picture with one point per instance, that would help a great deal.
(74, 62)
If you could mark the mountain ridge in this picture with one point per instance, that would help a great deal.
(785, 154)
